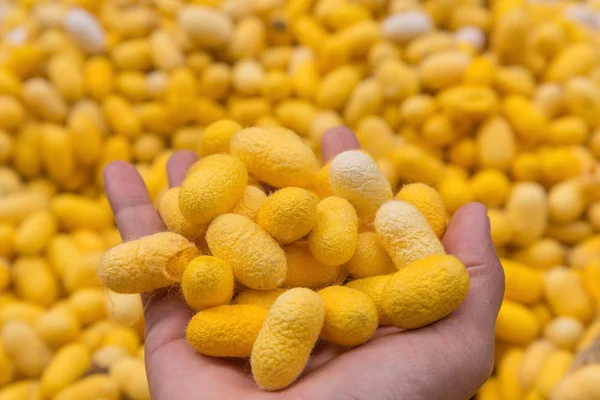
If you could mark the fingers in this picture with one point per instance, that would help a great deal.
(178, 166)
(131, 205)
(337, 140)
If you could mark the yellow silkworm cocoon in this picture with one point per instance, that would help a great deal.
(523, 284)
(579, 384)
(543, 314)
(333, 239)
(226, 331)
(414, 164)
(374, 288)
(168, 208)
(66, 73)
(34, 281)
(507, 373)
(5, 273)
(490, 390)
(496, 147)
(216, 137)
(584, 252)
(130, 375)
(398, 81)
(365, 100)
(56, 145)
(303, 270)
(285, 341)
(279, 160)
(34, 233)
(514, 80)
(87, 240)
(207, 27)
(417, 109)
(288, 215)
(566, 294)
(85, 138)
(147, 147)
(557, 365)
(126, 309)
(529, 123)
(429, 202)
(443, 69)
(77, 212)
(84, 273)
(559, 164)
(121, 117)
(44, 100)
(407, 297)
(21, 311)
(88, 305)
(259, 298)
(527, 212)
(473, 102)
(566, 202)
(25, 349)
(122, 336)
(166, 54)
(99, 77)
(550, 99)
(534, 358)
(106, 356)
(213, 187)
(405, 233)
(543, 254)
(7, 240)
(250, 202)
(90, 388)
(58, 326)
(562, 67)
(12, 113)
(21, 390)
(67, 366)
(248, 77)
(429, 44)
(207, 282)
(375, 136)
(516, 324)
(134, 54)
(16, 207)
(146, 264)
(370, 257)
(296, 115)
(564, 332)
(566, 131)
(63, 254)
(256, 258)
(353, 175)
(583, 101)
(7, 369)
(570, 233)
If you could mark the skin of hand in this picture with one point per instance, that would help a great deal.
(449, 359)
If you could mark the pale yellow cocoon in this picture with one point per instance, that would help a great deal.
(527, 212)
(534, 358)
(168, 208)
(564, 332)
(250, 202)
(429, 202)
(555, 368)
(580, 384)
(566, 294)
(25, 349)
(130, 375)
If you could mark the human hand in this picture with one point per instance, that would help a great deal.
(449, 359)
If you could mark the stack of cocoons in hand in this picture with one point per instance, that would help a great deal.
(275, 252)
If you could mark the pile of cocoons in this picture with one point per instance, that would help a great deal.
(275, 252)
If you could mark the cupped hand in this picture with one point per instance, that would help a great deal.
(449, 359)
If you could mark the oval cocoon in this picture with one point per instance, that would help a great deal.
(259, 298)
(226, 331)
(278, 159)
(429, 202)
(303, 270)
(207, 282)
(168, 208)
(370, 258)
(213, 187)
(256, 258)
(287, 338)
(425, 291)
(373, 287)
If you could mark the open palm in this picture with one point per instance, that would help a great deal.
(449, 359)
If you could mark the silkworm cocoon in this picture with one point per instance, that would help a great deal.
(544, 254)
(15, 207)
(414, 164)
(303, 270)
(77, 212)
(293, 323)
(21, 390)
(365, 100)
(12, 113)
(205, 26)
(375, 136)
(374, 288)
(99, 77)
(397, 80)
(570, 233)
(405, 233)
(87, 240)
(85, 30)
(590, 277)
(417, 109)
(63, 254)
(66, 74)
(216, 137)
(250, 202)
(567, 131)
(408, 298)
(26, 350)
(168, 208)
(93, 336)
(259, 298)
(34, 233)
(566, 295)
(584, 252)
(404, 26)
(58, 326)
(207, 282)
(226, 331)
(566, 202)
(88, 305)
(257, 260)
(528, 122)
(67, 366)
(6, 368)
(106, 356)
(84, 274)
(523, 284)
(44, 100)
(370, 257)
(333, 239)
(562, 67)
(582, 101)
(443, 69)
(90, 388)
(166, 54)
(473, 102)
(146, 264)
(534, 358)
(130, 374)
(527, 212)
(508, 377)
(495, 144)
(516, 324)
(34, 281)
(579, 384)
(353, 175)
(121, 116)
(279, 160)
(564, 332)
(555, 368)
(21, 311)
(429, 202)
(490, 390)
(288, 215)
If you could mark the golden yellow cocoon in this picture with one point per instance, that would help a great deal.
(555, 368)
(429, 202)
(25, 349)
(354, 176)
(34, 281)
(250, 202)
(278, 159)
(287, 338)
(527, 212)
(34, 233)
(67, 366)
(226, 331)
(90, 388)
(508, 368)
(168, 208)
(288, 215)
(523, 283)
(259, 298)
(130, 375)
(425, 291)
(88, 305)
(213, 187)
(369, 258)
(333, 239)
(146, 264)
(73, 212)
(58, 326)
(207, 282)
(534, 358)
(566, 295)
(580, 384)
(351, 317)
(216, 137)
(516, 324)
(373, 287)
(256, 258)
(405, 233)
(303, 270)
